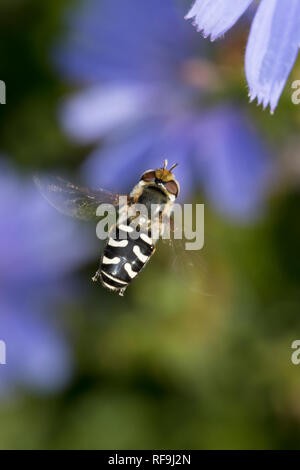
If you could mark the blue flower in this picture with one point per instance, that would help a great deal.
(273, 42)
(144, 80)
(38, 248)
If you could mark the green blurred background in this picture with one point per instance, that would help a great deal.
(179, 368)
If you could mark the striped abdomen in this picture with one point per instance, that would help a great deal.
(123, 258)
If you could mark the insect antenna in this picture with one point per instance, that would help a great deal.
(173, 166)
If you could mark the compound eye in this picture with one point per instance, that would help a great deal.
(172, 188)
(149, 176)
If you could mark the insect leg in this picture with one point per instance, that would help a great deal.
(121, 291)
(96, 276)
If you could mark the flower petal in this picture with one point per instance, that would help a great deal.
(99, 109)
(215, 17)
(39, 356)
(272, 49)
(234, 164)
(119, 164)
(44, 245)
(110, 39)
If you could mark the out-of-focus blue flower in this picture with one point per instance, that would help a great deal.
(225, 135)
(273, 43)
(145, 79)
(38, 247)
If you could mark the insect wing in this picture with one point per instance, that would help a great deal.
(187, 265)
(75, 201)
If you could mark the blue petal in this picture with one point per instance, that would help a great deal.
(120, 163)
(234, 164)
(38, 355)
(99, 109)
(29, 241)
(117, 165)
(152, 34)
(215, 17)
(272, 49)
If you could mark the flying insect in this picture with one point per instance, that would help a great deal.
(131, 241)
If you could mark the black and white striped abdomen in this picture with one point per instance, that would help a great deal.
(123, 258)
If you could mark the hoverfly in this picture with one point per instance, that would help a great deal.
(124, 256)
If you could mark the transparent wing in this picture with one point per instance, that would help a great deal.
(187, 265)
(72, 200)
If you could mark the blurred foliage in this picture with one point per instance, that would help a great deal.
(163, 367)
(29, 130)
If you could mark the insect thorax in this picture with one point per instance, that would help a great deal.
(152, 195)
